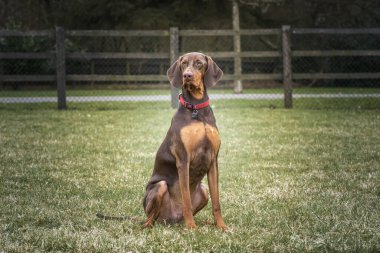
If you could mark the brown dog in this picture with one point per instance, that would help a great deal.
(189, 151)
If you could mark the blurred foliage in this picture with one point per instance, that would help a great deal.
(27, 44)
(187, 14)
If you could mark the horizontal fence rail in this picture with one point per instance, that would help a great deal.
(288, 59)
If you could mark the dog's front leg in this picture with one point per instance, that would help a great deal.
(213, 182)
(183, 176)
(183, 167)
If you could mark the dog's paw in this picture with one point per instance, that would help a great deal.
(191, 225)
(222, 226)
(148, 225)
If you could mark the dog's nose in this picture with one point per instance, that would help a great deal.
(188, 75)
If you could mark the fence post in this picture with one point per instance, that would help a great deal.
(238, 87)
(287, 67)
(174, 54)
(60, 67)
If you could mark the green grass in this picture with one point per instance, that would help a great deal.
(291, 181)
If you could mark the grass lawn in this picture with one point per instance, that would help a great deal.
(291, 181)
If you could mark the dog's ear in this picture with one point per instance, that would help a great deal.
(212, 74)
(174, 74)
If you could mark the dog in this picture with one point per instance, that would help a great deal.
(189, 151)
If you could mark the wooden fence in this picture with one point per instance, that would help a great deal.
(174, 34)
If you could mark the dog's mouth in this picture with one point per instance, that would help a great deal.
(191, 87)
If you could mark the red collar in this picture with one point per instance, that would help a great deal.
(191, 106)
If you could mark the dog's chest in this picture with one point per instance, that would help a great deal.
(201, 141)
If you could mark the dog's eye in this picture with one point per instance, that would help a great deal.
(184, 63)
(198, 64)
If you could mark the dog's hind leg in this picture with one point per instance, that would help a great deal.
(153, 201)
(199, 198)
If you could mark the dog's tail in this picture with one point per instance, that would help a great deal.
(119, 218)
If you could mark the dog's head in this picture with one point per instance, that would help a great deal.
(194, 72)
